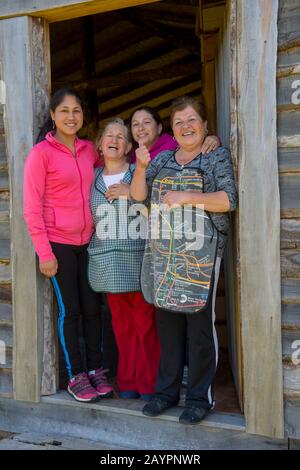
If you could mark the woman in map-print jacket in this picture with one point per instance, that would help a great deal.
(179, 331)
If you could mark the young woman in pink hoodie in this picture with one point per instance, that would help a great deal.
(147, 129)
(59, 172)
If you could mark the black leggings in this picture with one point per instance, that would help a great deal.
(76, 298)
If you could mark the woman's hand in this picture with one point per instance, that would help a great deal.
(211, 142)
(117, 190)
(49, 268)
(142, 156)
(174, 199)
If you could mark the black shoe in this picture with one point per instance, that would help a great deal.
(192, 415)
(155, 407)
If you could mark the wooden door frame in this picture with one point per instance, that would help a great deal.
(254, 145)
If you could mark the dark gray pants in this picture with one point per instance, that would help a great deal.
(180, 333)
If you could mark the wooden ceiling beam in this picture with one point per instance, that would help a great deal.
(154, 99)
(61, 10)
(171, 37)
(132, 78)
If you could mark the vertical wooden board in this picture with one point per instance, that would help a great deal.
(259, 217)
(27, 71)
(224, 95)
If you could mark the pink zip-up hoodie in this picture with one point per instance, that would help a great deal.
(57, 188)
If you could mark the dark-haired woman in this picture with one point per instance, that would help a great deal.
(177, 283)
(59, 172)
(147, 129)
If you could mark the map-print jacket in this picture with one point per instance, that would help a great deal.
(218, 175)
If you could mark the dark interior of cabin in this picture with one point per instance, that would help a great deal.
(131, 57)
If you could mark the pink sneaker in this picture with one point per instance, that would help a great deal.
(99, 382)
(81, 389)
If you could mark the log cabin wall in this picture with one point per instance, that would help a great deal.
(288, 128)
(6, 323)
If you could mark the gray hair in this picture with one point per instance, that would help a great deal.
(108, 122)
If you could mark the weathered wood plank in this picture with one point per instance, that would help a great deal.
(226, 129)
(288, 23)
(288, 128)
(291, 377)
(6, 335)
(289, 194)
(288, 89)
(5, 314)
(288, 58)
(5, 274)
(259, 202)
(289, 160)
(61, 10)
(291, 345)
(290, 291)
(290, 263)
(291, 316)
(6, 383)
(292, 417)
(28, 71)
(290, 233)
(129, 78)
(5, 291)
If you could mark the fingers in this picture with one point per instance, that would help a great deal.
(49, 268)
(142, 155)
(206, 148)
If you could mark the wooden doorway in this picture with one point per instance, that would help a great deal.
(148, 55)
(252, 23)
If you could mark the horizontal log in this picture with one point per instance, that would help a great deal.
(288, 90)
(61, 10)
(290, 291)
(6, 382)
(288, 58)
(291, 377)
(289, 160)
(4, 183)
(130, 78)
(5, 314)
(292, 416)
(4, 250)
(290, 233)
(288, 22)
(291, 316)
(289, 191)
(6, 335)
(4, 230)
(291, 345)
(5, 291)
(8, 359)
(290, 263)
(288, 132)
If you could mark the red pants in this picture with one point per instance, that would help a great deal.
(133, 322)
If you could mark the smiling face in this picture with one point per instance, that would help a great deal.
(189, 129)
(114, 142)
(68, 117)
(144, 128)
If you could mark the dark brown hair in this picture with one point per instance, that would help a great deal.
(179, 104)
